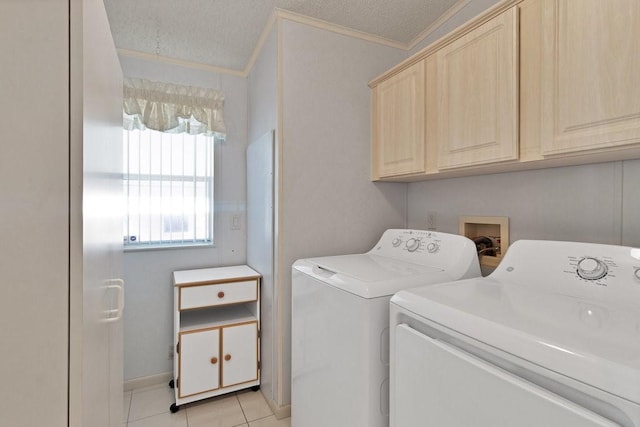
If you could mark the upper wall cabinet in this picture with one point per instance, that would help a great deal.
(477, 92)
(399, 124)
(528, 84)
(590, 79)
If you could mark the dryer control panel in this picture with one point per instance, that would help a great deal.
(574, 268)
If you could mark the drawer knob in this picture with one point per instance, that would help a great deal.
(214, 360)
(227, 357)
(220, 294)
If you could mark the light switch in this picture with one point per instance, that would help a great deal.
(235, 222)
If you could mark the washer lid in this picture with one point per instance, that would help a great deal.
(590, 340)
(370, 276)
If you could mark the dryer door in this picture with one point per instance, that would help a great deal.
(436, 384)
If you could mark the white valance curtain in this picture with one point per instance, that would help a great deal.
(168, 107)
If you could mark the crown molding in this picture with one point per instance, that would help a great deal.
(279, 14)
(179, 62)
(261, 41)
(438, 22)
(318, 23)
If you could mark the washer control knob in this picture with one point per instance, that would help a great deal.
(413, 245)
(396, 242)
(433, 247)
(592, 268)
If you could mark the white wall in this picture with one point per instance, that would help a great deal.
(263, 117)
(148, 319)
(591, 203)
(329, 206)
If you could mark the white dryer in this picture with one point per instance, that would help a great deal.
(551, 338)
(340, 322)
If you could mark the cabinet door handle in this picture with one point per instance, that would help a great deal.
(220, 294)
(227, 357)
(214, 360)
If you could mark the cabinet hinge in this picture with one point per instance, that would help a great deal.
(259, 334)
(258, 364)
(178, 348)
(178, 382)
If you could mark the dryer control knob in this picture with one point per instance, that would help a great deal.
(433, 247)
(413, 245)
(592, 268)
(396, 242)
(637, 273)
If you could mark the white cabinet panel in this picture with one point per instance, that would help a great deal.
(199, 361)
(240, 354)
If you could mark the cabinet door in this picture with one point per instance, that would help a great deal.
(591, 83)
(199, 361)
(477, 95)
(239, 353)
(398, 133)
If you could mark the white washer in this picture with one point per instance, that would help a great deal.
(340, 322)
(550, 338)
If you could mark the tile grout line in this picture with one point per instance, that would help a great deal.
(242, 409)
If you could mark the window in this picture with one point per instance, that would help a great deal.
(168, 185)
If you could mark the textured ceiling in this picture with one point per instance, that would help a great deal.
(224, 33)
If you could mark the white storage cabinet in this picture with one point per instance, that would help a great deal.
(216, 332)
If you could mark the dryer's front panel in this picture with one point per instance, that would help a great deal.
(437, 384)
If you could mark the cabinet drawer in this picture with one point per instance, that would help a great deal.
(218, 294)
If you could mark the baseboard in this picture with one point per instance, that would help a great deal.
(280, 412)
(151, 380)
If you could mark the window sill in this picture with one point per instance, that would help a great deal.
(151, 247)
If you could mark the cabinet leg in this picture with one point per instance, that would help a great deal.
(174, 408)
(255, 388)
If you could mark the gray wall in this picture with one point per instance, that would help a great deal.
(329, 205)
(591, 203)
(148, 318)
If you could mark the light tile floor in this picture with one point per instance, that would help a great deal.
(149, 407)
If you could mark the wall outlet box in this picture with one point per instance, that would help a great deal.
(494, 228)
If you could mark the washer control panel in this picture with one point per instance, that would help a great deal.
(425, 247)
(418, 241)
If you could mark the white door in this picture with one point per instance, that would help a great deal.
(199, 361)
(239, 353)
(96, 93)
(436, 384)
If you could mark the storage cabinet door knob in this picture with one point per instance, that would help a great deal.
(214, 360)
(227, 357)
(220, 294)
